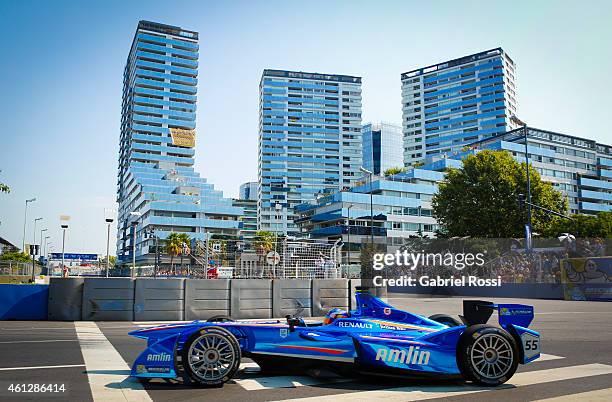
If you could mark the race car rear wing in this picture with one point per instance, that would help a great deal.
(479, 312)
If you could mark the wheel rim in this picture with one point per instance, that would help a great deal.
(492, 356)
(211, 356)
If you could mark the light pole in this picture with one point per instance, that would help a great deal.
(369, 173)
(136, 215)
(40, 249)
(25, 222)
(517, 121)
(348, 222)
(108, 226)
(64, 227)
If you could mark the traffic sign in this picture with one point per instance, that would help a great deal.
(272, 258)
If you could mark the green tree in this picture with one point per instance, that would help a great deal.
(481, 198)
(394, 170)
(4, 188)
(15, 256)
(264, 242)
(174, 245)
(599, 225)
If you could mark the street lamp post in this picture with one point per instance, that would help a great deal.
(40, 250)
(348, 222)
(64, 227)
(135, 214)
(369, 173)
(25, 222)
(517, 121)
(108, 226)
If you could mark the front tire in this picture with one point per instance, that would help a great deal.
(487, 355)
(211, 356)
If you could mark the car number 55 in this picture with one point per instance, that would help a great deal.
(531, 345)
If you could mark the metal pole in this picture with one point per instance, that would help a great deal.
(348, 222)
(63, 248)
(156, 267)
(371, 213)
(133, 249)
(107, 246)
(206, 257)
(527, 241)
(25, 223)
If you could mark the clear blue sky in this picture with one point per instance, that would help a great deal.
(62, 64)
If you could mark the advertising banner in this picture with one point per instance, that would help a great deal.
(182, 137)
(587, 278)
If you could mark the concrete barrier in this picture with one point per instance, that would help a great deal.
(23, 302)
(108, 299)
(65, 299)
(251, 298)
(291, 296)
(159, 299)
(205, 298)
(329, 293)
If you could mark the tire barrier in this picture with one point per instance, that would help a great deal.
(159, 299)
(251, 298)
(291, 296)
(108, 299)
(23, 302)
(65, 299)
(329, 293)
(206, 298)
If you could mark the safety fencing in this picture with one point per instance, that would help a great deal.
(144, 299)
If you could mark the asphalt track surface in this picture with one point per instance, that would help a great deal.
(91, 361)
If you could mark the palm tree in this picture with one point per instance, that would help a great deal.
(174, 246)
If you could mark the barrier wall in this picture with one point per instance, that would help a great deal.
(65, 299)
(159, 299)
(329, 293)
(291, 296)
(108, 299)
(143, 299)
(206, 298)
(23, 302)
(251, 298)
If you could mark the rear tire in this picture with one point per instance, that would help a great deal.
(487, 355)
(446, 320)
(211, 356)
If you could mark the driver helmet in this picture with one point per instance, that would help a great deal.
(333, 314)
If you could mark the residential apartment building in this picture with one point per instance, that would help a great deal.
(158, 190)
(383, 146)
(309, 142)
(580, 168)
(248, 220)
(448, 105)
(248, 191)
(401, 207)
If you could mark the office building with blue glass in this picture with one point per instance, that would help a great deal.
(158, 190)
(448, 105)
(382, 147)
(309, 142)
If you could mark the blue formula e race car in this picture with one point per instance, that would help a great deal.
(373, 339)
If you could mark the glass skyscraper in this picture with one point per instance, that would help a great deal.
(309, 141)
(382, 147)
(158, 190)
(450, 104)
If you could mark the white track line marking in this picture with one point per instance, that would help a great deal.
(256, 384)
(600, 395)
(106, 369)
(42, 341)
(544, 357)
(40, 367)
(420, 393)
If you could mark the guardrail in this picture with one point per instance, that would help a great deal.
(144, 299)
